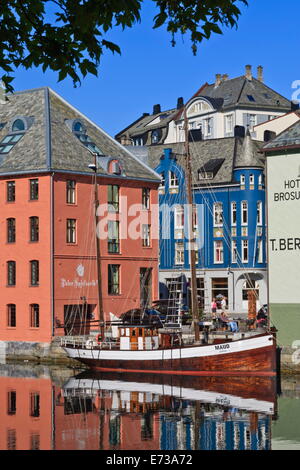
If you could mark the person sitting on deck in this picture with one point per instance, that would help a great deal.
(225, 321)
(262, 317)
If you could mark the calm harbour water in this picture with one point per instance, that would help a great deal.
(45, 408)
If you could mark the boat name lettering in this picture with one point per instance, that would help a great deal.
(219, 347)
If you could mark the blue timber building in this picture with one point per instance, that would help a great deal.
(230, 228)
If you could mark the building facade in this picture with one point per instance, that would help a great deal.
(49, 283)
(229, 223)
(222, 109)
(283, 195)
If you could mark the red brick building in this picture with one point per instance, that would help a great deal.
(48, 278)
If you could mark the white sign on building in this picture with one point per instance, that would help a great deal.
(283, 192)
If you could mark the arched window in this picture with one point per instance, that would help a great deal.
(78, 127)
(18, 125)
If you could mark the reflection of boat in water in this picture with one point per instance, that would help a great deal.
(245, 393)
(175, 413)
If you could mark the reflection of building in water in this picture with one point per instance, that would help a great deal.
(37, 414)
(25, 413)
(146, 421)
(125, 420)
(216, 428)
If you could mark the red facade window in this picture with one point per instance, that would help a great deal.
(34, 229)
(11, 315)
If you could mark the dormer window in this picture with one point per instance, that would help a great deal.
(209, 170)
(18, 126)
(18, 129)
(156, 136)
(115, 167)
(79, 130)
(203, 175)
(198, 108)
(78, 127)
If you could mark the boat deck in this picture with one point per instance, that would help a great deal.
(187, 339)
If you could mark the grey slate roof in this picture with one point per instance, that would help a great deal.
(49, 144)
(235, 91)
(143, 125)
(286, 139)
(231, 149)
(230, 93)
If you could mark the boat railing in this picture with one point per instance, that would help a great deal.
(87, 342)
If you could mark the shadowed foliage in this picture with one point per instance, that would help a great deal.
(69, 36)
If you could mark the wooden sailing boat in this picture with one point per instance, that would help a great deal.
(145, 348)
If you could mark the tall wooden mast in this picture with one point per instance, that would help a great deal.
(192, 240)
(98, 252)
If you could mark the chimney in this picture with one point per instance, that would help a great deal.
(156, 109)
(218, 80)
(179, 103)
(225, 77)
(248, 73)
(260, 77)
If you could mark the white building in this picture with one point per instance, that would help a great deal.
(223, 109)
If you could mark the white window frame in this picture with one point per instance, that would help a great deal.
(179, 221)
(252, 120)
(146, 235)
(218, 214)
(174, 182)
(207, 127)
(218, 252)
(251, 180)
(244, 211)
(260, 254)
(228, 123)
(233, 211)
(260, 180)
(242, 180)
(179, 254)
(259, 213)
(234, 252)
(245, 250)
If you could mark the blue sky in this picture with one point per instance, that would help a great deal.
(151, 71)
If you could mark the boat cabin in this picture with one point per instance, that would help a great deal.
(137, 337)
